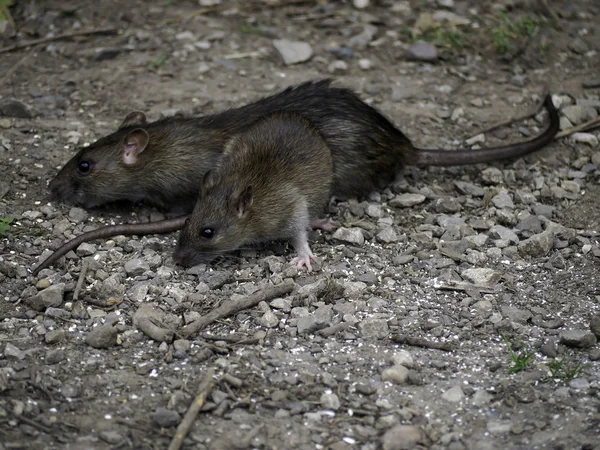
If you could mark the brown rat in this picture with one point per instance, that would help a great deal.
(273, 182)
(162, 163)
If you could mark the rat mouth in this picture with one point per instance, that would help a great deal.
(186, 257)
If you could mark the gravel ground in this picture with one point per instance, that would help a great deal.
(457, 309)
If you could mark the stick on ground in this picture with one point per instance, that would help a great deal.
(418, 342)
(59, 37)
(514, 119)
(231, 307)
(84, 268)
(204, 389)
(594, 123)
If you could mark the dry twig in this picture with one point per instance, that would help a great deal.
(532, 112)
(10, 72)
(59, 37)
(231, 307)
(594, 123)
(84, 268)
(204, 389)
(418, 342)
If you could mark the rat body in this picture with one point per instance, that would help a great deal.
(273, 182)
(162, 163)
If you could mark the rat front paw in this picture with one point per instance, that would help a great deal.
(304, 260)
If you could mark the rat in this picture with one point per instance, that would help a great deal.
(162, 163)
(273, 182)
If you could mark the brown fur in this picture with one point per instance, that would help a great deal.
(273, 180)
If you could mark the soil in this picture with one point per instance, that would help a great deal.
(499, 263)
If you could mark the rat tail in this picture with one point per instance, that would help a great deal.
(427, 157)
(161, 226)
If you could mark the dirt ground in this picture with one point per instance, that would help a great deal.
(348, 358)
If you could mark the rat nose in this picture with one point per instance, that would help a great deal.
(59, 189)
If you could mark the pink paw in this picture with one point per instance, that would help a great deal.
(300, 261)
(324, 224)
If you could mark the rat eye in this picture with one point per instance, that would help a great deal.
(84, 167)
(207, 233)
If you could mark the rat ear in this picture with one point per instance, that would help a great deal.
(134, 144)
(134, 118)
(244, 201)
(208, 180)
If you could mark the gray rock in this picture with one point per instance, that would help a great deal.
(135, 267)
(352, 236)
(446, 205)
(321, 318)
(54, 336)
(503, 233)
(455, 394)
(361, 40)
(103, 336)
(579, 383)
(374, 328)
(476, 240)
(422, 51)
(530, 223)
(314, 289)
(14, 108)
(403, 437)
(595, 325)
(49, 297)
(56, 356)
(466, 188)
(403, 358)
(284, 304)
(407, 200)
(578, 45)
(111, 437)
(396, 374)
(543, 210)
(578, 338)
(538, 244)
(374, 211)
(585, 138)
(11, 352)
(338, 66)
(496, 426)
(78, 214)
(152, 322)
(492, 175)
(481, 276)
(330, 401)
(269, 319)
(85, 249)
(516, 314)
(549, 348)
(578, 114)
(293, 52)
(503, 200)
(166, 418)
(482, 398)
(483, 307)
(387, 235)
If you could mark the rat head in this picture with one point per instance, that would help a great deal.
(218, 223)
(103, 171)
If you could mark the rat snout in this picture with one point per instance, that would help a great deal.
(187, 257)
(61, 190)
